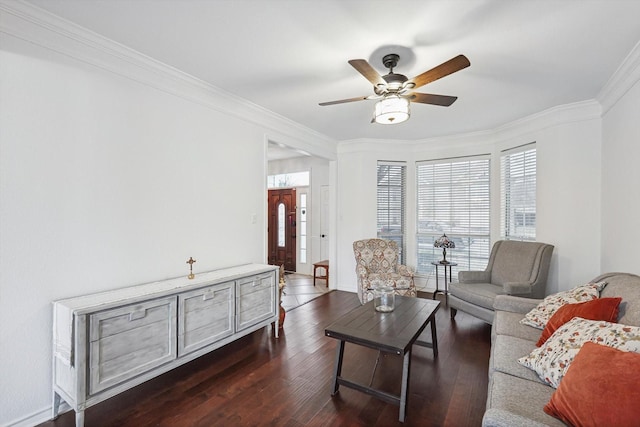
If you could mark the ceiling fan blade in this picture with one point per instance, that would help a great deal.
(427, 98)
(363, 67)
(342, 101)
(451, 66)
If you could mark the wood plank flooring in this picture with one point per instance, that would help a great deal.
(262, 381)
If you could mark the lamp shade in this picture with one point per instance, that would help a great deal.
(391, 109)
(444, 242)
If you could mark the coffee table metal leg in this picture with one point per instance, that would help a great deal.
(337, 371)
(434, 337)
(404, 391)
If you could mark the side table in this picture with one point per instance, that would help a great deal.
(324, 265)
(445, 292)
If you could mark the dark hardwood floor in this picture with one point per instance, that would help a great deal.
(259, 380)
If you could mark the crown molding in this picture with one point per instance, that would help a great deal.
(624, 78)
(555, 116)
(37, 26)
(517, 129)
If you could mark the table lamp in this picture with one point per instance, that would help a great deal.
(444, 242)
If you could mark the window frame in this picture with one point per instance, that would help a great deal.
(391, 214)
(518, 193)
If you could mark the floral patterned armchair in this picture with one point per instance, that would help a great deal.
(377, 265)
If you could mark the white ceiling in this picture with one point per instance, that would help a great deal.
(289, 55)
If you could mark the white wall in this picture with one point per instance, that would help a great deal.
(113, 172)
(568, 160)
(356, 214)
(107, 183)
(567, 186)
(621, 184)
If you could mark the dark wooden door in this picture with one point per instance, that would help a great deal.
(282, 228)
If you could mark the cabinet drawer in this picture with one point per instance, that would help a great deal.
(255, 300)
(204, 316)
(254, 284)
(130, 340)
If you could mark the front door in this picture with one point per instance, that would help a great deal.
(282, 228)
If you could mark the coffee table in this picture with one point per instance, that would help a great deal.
(393, 332)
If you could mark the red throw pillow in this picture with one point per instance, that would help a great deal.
(597, 309)
(599, 389)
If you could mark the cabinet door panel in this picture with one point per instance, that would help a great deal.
(255, 300)
(205, 316)
(137, 338)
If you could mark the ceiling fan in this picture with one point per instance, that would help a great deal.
(395, 90)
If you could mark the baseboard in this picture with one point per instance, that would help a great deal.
(39, 417)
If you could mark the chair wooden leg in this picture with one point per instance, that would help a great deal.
(453, 313)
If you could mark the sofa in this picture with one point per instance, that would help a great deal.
(516, 395)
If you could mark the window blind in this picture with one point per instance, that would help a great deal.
(453, 198)
(391, 203)
(518, 193)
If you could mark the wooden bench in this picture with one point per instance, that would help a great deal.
(322, 264)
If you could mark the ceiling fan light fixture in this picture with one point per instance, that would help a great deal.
(392, 109)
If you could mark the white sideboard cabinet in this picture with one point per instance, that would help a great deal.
(108, 342)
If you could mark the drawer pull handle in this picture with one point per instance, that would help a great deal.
(137, 315)
(208, 295)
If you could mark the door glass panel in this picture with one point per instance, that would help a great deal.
(281, 215)
(303, 228)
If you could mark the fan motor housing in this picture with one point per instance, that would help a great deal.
(394, 81)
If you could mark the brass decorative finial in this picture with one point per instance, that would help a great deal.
(190, 262)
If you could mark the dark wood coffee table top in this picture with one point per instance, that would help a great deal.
(393, 332)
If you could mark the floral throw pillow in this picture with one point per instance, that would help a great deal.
(539, 316)
(553, 358)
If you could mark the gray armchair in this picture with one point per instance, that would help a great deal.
(514, 268)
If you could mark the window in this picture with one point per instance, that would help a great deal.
(288, 180)
(518, 193)
(302, 228)
(391, 201)
(453, 198)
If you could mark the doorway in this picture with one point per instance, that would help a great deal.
(281, 230)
